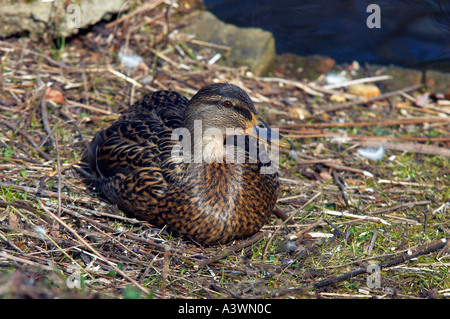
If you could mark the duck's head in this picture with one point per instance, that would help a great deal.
(219, 110)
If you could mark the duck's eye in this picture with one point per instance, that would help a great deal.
(227, 104)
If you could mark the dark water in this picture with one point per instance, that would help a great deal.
(412, 33)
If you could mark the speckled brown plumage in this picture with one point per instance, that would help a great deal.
(208, 202)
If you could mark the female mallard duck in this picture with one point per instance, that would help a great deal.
(210, 198)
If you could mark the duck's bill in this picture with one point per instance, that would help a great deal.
(261, 131)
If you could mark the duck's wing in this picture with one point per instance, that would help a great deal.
(127, 159)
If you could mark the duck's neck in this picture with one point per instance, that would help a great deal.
(206, 145)
(212, 150)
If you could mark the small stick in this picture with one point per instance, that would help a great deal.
(336, 228)
(338, 180)
(300, 233)
(58, 169)
(348, 215)
(419, 148)
(124, 77)
(386, 181)
(4, 254)
(208, 44)
(280, 214)
(331, 164)
(50, 134)
(416, 252)
(427, 109)
(297, 84)
(372, 242)
(165, 272)
(358, 81)
(44, 115)
(91, 108)
(165, 58)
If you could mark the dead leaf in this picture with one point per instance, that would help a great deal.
(324, 176)
(318, 149)
(13, 220)
(422, 100)
(54, 95)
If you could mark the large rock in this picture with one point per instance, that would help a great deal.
(251, 47)
(62, 17)
(304, 68)
(438, 81)
(401, 77)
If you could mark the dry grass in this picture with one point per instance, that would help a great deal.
(54, 230)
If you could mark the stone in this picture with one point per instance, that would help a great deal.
(438, 81)
(303, 68)
(251, 47)
(298, 113)
(401, 77)
(367, 90)
(37, 16)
